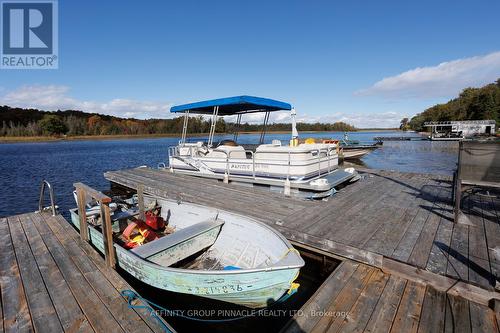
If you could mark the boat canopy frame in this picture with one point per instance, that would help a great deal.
(229, 106)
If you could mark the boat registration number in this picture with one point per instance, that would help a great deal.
(225, 289)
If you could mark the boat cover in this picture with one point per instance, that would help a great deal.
(233, 105)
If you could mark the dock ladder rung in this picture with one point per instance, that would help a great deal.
(51, 193)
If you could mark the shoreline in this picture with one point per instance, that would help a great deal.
(32, 139)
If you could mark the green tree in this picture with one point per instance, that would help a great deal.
(51, 124)
(472, 104)
(404, 126)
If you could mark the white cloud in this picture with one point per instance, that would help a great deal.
(388, 119)
(444, 80)
(53, 97)
(258, 118)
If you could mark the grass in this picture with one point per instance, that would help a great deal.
(13, 139)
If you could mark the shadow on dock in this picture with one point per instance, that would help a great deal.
(492, 279)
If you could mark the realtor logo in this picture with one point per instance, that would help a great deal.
(29, 35)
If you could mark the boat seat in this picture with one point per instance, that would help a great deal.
(173, 241)
(231, 151)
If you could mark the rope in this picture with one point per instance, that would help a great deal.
(131, 295)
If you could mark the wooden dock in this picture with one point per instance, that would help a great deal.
(406, 265)
(362, 298)
(399, 138)
(52, 281)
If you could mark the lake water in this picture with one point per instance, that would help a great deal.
(24, 165)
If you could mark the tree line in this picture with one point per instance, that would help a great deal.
(472, 104)
(33, 122)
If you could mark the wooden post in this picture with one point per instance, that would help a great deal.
(80, 195)
(458, 184)
(140, 198)
(107, 233)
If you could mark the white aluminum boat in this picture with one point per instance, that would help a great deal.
(312, 167)
(211, 253)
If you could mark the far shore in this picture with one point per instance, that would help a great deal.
(14, 139)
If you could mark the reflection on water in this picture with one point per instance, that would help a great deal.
(435, 157)
(24, 165)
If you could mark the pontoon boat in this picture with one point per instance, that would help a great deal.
(300, 166)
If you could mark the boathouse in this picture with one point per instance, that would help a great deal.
(455, 130)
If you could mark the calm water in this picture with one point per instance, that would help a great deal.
(24, 165)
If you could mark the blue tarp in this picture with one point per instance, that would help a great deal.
(233, 105)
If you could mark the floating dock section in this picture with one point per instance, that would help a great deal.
(406, 265)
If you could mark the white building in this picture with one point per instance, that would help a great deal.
(456, 130)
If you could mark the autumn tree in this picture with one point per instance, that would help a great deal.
(52, 124)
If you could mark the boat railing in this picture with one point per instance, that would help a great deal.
(42, 195)
(82, 192)
(327, 152)
(173, 151)
(318, 152)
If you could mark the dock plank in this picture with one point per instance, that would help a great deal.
(438, 256)
(385, 240)
(48, 287)
(69, 312)
(458, 253)
(382, 317)
(100, 284)
(1, 309)
(407, 317)
(344, 300)
(96, 312)
(360, 313)
(482, 319)
(42, 311)
(480, 269)
(490, 213)
(16, 317)
(457, 315)
(433, 311)
(409, 240)
(112, 275)
(420, 253)
(321, 300)
(340, 203)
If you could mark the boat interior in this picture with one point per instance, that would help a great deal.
(194, 237)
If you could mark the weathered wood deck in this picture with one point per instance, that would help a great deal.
(51, 281)
(361, 298)
(403, 217)
(407, 255)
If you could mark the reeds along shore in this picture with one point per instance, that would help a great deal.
(13, 139)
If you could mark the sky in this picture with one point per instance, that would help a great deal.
(367, 63)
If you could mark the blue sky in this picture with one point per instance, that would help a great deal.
(369, 63)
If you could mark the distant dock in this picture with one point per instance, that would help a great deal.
(399, 138)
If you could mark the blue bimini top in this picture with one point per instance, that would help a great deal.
(233, 105)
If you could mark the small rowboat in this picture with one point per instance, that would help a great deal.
(355, 152)
(211, 253)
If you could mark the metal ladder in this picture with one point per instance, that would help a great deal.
(52, 200)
